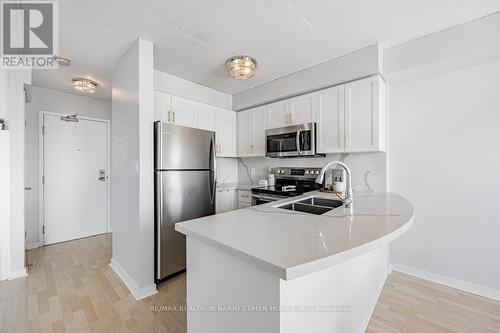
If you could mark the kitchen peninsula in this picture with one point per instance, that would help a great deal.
(270, 269)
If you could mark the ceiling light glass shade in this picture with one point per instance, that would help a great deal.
(241, 67)
(85, 85)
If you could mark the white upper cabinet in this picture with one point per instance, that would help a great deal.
(226, 133)
(302, 109)
(365, 115)
(206, 117)
(292, 111)
(330, 125)
(278, 114)
(258, 131)
(162, 104)
(243, 133)
(251, 132)
(351, 117)
(183, 112)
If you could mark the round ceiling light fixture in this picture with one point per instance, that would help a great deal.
(241, 67)
(85, 85)
(62, 61)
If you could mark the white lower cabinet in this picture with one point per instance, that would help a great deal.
(225, 201)
(244, 198)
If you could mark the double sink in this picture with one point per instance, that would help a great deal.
(312, 205)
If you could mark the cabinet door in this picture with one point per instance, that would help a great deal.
(302, 109)
(226, 133)
(330, 125)
(278, 114)
(160, 106)
(258, 131)
(206, 117)
(183, 112)
(362, 121)
(244, 133)
(225, 201)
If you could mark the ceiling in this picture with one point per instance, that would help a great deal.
(193, 38)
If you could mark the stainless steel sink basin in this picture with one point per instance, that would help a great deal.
(313, 205)
(315, 201)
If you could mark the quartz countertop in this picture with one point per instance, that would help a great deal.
(235, 186)
(291, 244)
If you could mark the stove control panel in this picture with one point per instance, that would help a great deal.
(297, 173)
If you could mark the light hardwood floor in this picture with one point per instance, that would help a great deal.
(72, 289)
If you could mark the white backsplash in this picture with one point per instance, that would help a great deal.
(368, 169)
(227, 170)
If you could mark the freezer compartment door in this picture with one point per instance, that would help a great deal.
(179, 147)
(180, 196)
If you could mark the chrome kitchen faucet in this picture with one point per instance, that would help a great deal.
(348, 197)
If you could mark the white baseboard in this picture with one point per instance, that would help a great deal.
(31, 246)
(469, 287)
(18, 274)
(130, 283)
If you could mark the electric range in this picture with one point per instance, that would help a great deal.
(290, 182)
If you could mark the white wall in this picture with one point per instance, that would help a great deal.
(466, 45)
(131, 169)
(170, 84)
(12, 107)
(368, 169)
(352, 66)
(444, 158)
(53, 101)
(4, 204)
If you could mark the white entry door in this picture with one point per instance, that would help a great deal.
(75, 178)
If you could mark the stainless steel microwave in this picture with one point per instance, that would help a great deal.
(292, 141)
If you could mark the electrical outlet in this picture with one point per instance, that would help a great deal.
(252, 171)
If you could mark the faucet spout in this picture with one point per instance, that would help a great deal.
(348, 198)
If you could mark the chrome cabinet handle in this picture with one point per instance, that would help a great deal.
(173, 116)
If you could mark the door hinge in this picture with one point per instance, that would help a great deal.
(43, 130)
(43, 229)
(43, 180)
(25, 234)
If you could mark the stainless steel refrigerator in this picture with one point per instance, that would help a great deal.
(185, 176)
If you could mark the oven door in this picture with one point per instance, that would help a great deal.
(291, 141)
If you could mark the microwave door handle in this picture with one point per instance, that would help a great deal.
(298, 142)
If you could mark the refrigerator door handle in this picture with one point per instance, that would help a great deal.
(213, 184)
(159, 218)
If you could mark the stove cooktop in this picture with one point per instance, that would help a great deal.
(278, 190)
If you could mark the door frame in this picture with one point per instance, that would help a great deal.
(41, 144)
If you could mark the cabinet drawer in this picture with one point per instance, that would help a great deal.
(245, 196)
(242, 204)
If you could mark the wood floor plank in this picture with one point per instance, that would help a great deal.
(72, 289)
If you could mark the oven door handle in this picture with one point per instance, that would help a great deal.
(297, 139)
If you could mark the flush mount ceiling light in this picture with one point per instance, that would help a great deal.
(85, 85)
(241, 67)
(62, 61)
